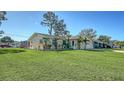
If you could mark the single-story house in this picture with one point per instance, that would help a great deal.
(44, 41)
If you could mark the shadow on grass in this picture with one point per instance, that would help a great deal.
(93, 50)
(6, 51)
(99, 50)
(58, 50)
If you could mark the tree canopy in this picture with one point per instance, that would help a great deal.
(86, 35)
(56, 26)
(120, 44)
(7, 39)
(2, 18)
(49, 20)
(104, 38)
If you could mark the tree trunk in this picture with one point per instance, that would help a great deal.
(120, 46)
(62, 41)
(68, 43)
(85, 45)
(79, 45)
(50, 33)
(56, 44)
(62, 44)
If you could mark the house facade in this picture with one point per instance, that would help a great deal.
(39, 41)
(43, 41)
(74, 43)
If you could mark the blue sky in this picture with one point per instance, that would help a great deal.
(21, 25)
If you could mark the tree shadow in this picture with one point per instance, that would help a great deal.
(99, 50)
(6, 51)
(57, 50)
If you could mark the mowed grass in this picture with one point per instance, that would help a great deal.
(73, 65)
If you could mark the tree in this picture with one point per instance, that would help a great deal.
(63, 32)
(2, 18)
(79, 41)
(60, 31)
(1, 32)
(118, 43)
(7, 39)
(56, 27)
(104, 38)
(49, 20)
(87, 35)
(115, 43)
(121, 44)
(67, 36)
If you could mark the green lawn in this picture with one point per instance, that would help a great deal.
(20, 64)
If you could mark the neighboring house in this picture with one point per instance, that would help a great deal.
(5, 45)
(24, 44)
(43, 41)
(16, 44)
(20, 44)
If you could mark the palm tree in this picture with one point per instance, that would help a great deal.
(104, 38)
(80, 40)
(88, 35)
(119, 43)
(67, 37)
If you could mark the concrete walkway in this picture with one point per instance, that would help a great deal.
(120, 51)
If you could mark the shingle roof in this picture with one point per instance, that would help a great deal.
(39, 34)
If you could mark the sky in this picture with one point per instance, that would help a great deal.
(22, 24)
